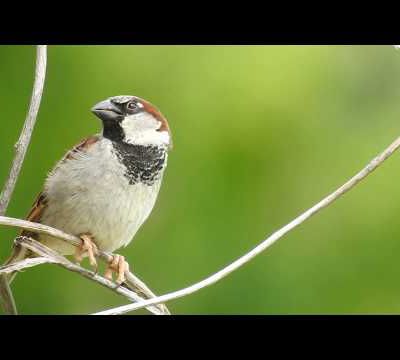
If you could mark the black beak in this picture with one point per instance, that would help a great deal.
(107, 111)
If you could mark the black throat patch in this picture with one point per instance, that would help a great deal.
(143, 163)
(112, 130)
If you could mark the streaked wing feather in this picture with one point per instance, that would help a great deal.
(40, 203)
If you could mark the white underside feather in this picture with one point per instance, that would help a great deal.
(91, 194)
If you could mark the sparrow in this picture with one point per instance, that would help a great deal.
(105, 188)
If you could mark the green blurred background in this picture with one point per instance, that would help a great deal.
(261, 133)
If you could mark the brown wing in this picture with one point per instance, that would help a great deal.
(83, 146)
(36, 212)
(40, 203)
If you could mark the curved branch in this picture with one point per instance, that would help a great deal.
(266, 243)
(23, 142)
(48, 255)
(132, 282)
(23, 264)
(6, 297)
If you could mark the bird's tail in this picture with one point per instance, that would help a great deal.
(6, 297)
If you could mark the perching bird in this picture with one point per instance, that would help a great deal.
(104, 189)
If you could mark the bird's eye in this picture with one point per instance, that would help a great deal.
(132, 106)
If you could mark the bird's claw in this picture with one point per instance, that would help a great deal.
(88, 246)
(119, 266)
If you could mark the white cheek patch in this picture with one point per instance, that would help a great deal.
(142, 129)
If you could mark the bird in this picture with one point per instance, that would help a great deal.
(106, 186)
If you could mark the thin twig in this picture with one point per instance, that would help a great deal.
(266, 243)
(24, 139)
(134, 283)
(54, 257)
(6, 296)
(24, 264)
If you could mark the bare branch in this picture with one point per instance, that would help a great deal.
(23, 142)
(23, 264)
(266, 243)
(48, 255)
(6, 297)
(134, 283)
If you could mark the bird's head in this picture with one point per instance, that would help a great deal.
(133, 120)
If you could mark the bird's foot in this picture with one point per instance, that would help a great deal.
(119, 266)
(88, 246)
